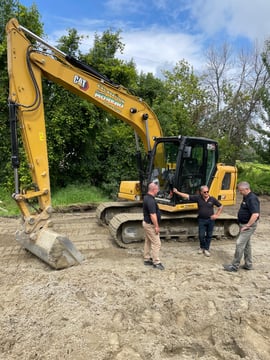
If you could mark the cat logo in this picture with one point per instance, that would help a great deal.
(83, 84)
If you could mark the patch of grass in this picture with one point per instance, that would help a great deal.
(8, 206)
(78, 194)
(70, 195)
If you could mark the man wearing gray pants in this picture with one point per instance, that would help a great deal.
(248, 216)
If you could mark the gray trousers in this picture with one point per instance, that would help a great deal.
(243, 246)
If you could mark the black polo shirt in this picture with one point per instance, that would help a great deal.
(206, 208)
(150, 207)
(249, 205)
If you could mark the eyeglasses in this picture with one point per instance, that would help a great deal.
(205, 192)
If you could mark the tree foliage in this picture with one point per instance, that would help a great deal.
(229, 102)
(186, 99)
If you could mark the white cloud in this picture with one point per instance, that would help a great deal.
(236, 17)
(155, 48)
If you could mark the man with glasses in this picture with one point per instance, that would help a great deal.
(248, 216)
(206, 216)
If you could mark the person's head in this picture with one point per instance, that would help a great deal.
(243, 187)
(204, 191)
(153, 188)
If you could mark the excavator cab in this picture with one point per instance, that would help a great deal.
(188, 163)
(182, 162)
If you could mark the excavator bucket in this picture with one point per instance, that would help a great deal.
(54, 249)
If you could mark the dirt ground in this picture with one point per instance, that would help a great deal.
(113, 307)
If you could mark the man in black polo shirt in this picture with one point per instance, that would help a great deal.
(151, 223)
(206, 216)
(248, 216)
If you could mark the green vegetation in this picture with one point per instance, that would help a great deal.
(76, 194)
(8, 206)
(257, 175)
(70, 195)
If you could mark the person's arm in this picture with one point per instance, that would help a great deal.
(183, 195)
(251, 221)
(154, 220)
(218, 212)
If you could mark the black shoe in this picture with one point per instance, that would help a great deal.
(247, 267)
(230, 268)
(158, 266)
(148, 262)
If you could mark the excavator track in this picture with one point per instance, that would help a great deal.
(106, 211)
(126, 228)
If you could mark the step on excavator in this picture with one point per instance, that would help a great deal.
(180, 161)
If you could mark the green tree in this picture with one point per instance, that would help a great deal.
(70, 123)
(184, 106)
(113, 138)
(150, 89)
(86, 143)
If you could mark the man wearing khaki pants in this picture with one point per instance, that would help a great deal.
(151, 221)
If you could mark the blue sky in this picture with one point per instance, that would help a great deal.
(158, 33)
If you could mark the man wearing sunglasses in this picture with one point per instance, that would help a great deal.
(206, 216)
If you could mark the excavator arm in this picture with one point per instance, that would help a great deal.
(27, 65)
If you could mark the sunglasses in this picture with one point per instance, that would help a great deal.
(206, 192)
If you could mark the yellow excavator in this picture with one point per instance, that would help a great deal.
(179, 161)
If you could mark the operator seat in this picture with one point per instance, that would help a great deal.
(190, 166)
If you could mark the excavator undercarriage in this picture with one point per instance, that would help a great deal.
(126, 229)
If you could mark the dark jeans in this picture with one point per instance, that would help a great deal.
(206, 227)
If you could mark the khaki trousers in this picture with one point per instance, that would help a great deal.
(152, 243)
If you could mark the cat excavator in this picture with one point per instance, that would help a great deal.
(179, 161)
